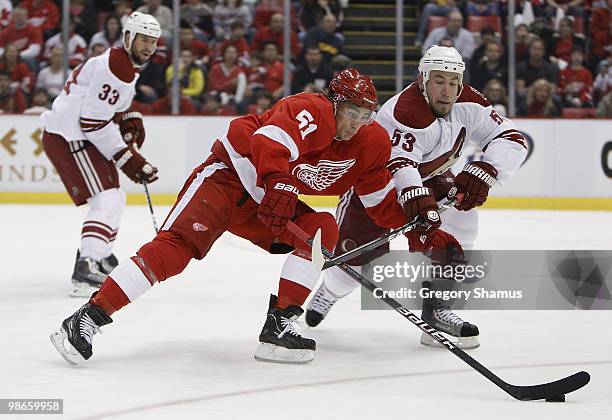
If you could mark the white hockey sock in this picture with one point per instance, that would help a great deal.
(338, 282)
(101, 224)
(300, 270)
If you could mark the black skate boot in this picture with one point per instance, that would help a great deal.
(86, 277)
(73, 339)
(319, 306)
(438, 314)
(279, 341)
(108, 264)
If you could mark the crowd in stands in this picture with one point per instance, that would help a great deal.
(230, 58)
(231, 51)
(563, 51)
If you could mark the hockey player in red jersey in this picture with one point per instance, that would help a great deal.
(430, 124)
(313, 144)
(88, 135)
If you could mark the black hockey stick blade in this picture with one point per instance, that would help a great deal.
(551, 389)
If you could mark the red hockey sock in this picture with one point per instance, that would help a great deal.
(290, 293)
(110, 297)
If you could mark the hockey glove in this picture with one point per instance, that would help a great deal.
(474, 183)
(419, 204)
(440, 246)
(135, 166)
(132, 129)
(278, 204)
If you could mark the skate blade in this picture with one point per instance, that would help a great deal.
(80, 289)
(465, 343)
(59, 339)
(267, 352)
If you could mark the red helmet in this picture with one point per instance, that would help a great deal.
(350, 85)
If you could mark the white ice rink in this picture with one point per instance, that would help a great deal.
(185, 349)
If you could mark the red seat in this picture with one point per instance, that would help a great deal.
(578, 25)
(476, 23)
(436, 22)
(578, 112)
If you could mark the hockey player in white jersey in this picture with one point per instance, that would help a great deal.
(430, 124)
(89, 133)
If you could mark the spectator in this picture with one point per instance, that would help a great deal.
(603, 80)
(85, 15)
(564, 41)
(433, 8)
(314, 10)
(263, 102)
(236, 38)
(482, 8)
(163, 106)
(51, 78)
(199, 49)
(274, 33)
(123, 9)
(339, 63)
(601, 31)
(275, 70)
(40, 103)
(96, 50)
(604, 109)
(566, 7)
(255, 74)
(227, 78)
(43, 14)
(446, 41)
(462, 38)
(27, 38)
(160, 12)
(21, 75)
(325, 39)
(151, 84)
(313, 75)
(495, 92)
(226, 13)
(535, 67)
(6, 9)
(489, 67)
(522, 39)
(191, 77)
(77, 47)
(211, 106)
(199, 15)
(540, 101)
(576, 82)
(11, 101)
(487, 33)
(266, 8)
(110, 36)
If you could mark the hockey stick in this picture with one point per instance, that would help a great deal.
(388, 237)
(553, 391)
(146, 188)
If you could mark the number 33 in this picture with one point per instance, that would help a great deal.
(106, 90)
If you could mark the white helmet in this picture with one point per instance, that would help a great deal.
(443, 59)
(140, 23)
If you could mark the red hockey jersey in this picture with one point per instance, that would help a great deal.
(297, 136)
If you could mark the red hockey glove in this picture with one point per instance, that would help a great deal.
(135, 166)
(419, 203)
(132, 129)
(278, 204)
(474, 183)
(440, 246)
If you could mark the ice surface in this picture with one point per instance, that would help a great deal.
(185, 349)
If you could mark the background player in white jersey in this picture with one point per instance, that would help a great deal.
(88, 135)
(429, 124)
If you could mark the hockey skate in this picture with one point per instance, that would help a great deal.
(73, 339)
(86, 277)
(279, 340)
(319, 306)
(439, 315)
(108, 264)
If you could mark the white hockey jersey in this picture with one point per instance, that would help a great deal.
(95, 91)
(425, 145)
